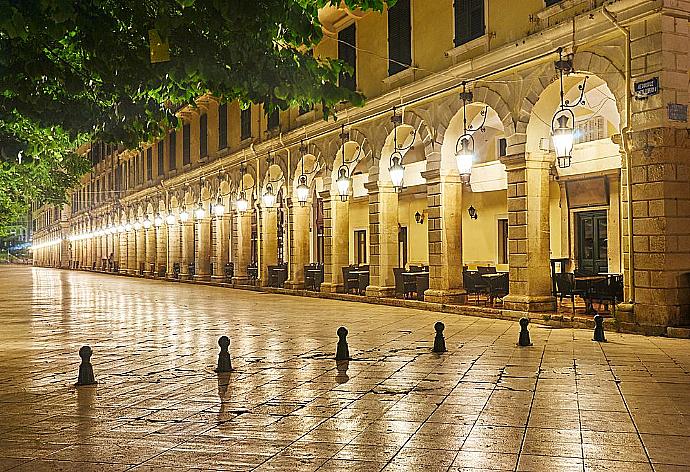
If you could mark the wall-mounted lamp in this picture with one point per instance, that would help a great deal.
(419, 217)
(472, 212)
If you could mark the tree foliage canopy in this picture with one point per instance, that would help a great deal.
(73, 71)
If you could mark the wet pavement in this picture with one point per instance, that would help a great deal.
(565, 403)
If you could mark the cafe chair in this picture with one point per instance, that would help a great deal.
(363, 283)
(481, 270)
(474, 285)
(403, 286)
(309, 277)
(350, 282)
(565, 287)
(498, 287)
(422, 286)
(608, 291)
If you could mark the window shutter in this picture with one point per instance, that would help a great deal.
(246, 124)
(149, 164)
(203, 135)
(186, 144)
(469, 20)
(223, 126)
(347, 52)
(172, 150)
(161, 157)
(399, 37)
(273, 119)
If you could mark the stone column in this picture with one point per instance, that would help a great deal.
(383, 239)
(299, 242)
(336, 220)
(244, 247)
(444, 200)
(203, 249)
(140, 249)
(131, 252)
(124, 244)
(658, 147)
(98, 251)
(116, 248)
(65, 245)
(529, 233)
(269, 242)
(89, 252)
(187, 252)
(614, 224)
(173, 248)
(150, 235)
(161, 248)
(222, 243)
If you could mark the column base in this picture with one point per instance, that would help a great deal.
(446, 297)
(217, 278)
(185, 276)
(328, 287)
(380, 292)
(240, 280)
(293, 285)
(202, 277)
(528, 303)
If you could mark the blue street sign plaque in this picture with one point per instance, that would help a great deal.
(647, 88)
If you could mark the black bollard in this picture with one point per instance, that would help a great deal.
(524, 333)
(224, 363)
(85, 368)
(439, 340)
(342, 353)
(599, 329)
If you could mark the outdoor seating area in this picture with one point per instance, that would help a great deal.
(277, 275)
(486, 284)
(411, 283)
(355, 279)
(605, 289)
(313, 276)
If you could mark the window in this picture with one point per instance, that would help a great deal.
(347, 42)
(246, 124)
(186, 143)
(399, 37)
(502, 144)
(172, 150)
(361, 246)
(469, 20)
(502, 241)
(203, 135)
(222, 126)
(273, 119)
(140, 156)
(551, 2)
(161, 157)
(149, 163)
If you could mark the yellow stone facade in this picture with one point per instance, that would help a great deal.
(129, 214)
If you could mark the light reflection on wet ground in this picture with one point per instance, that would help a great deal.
(565, 403)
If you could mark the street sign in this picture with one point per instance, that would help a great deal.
(647, 88)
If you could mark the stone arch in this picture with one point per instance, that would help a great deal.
(448, 108)
(314, 167)
(586, 62)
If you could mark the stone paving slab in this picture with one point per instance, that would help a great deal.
(565, 403)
